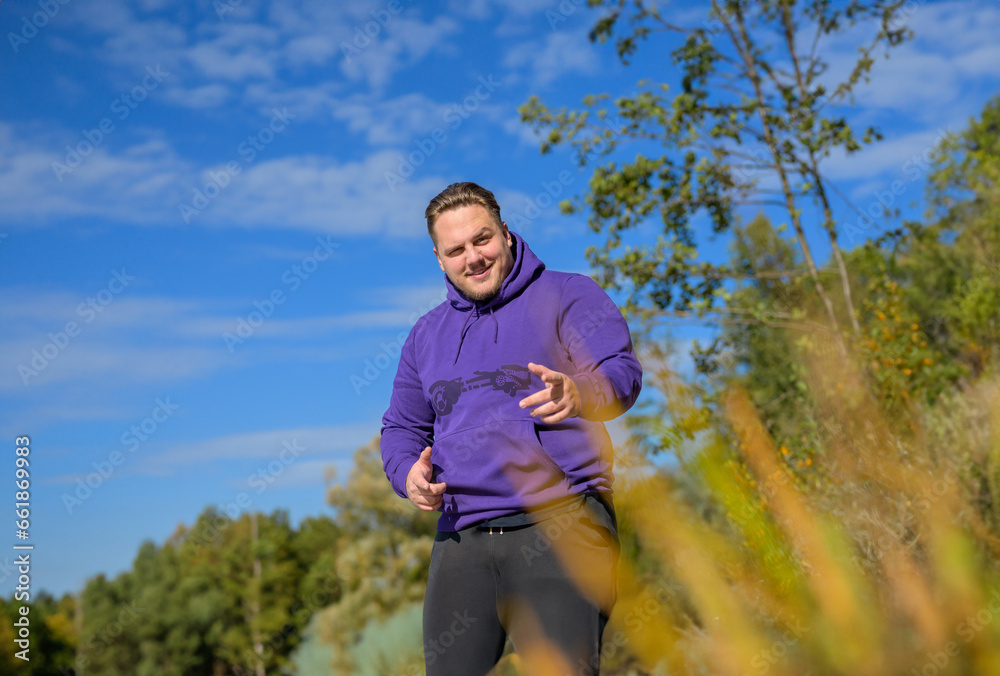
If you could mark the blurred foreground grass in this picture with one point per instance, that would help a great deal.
(875, 555)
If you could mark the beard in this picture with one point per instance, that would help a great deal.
(484, 295)
(480, 293)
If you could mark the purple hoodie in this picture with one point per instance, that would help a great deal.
(464, 368)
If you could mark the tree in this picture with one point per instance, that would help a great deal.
(740, 116)
(759, 353)
(108, 629)
(226, 596)
(963, 243)
(382, 559)
(52, 638)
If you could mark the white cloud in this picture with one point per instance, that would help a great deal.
(215, 62)
(320, 194)
(268, 444)
(559, 53)
(980, 61)
(317, 101)
(926, 78)
(206, 96)
(147, 184)
(55, 338)
(910, 82)
(286, 457)
(892, 157)
(87, 360)
(94, 182)
(404, 42)
(369, 44)
(524, 133)
(517, 16)
(407, 297)
(311, 49)
(154, 5)
(473, 9)
(392, 121)
(955, 26)
(314, 472)
(58, 337)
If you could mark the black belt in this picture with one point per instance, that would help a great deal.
(523, 519)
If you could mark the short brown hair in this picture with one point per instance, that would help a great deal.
(460, 195)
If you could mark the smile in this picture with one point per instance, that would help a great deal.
(481, 275)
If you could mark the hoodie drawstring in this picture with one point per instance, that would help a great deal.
(461, 337)
(466, 326)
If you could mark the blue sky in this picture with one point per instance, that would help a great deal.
(211, 232)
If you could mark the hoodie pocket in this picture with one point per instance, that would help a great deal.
(502, 457)
(546, 458)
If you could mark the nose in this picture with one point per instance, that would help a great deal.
(474, 259)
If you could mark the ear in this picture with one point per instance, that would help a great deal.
(440, 264)
(506, 234)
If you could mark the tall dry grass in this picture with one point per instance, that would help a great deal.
(879, 557)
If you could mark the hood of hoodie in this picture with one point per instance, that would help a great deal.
(526, 268)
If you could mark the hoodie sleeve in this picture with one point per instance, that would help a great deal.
(408, 425)
(596, 337)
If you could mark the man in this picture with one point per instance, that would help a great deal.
(495, 421)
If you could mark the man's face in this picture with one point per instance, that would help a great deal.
(473, 251)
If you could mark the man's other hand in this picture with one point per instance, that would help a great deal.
(559, 400)
(419, 489)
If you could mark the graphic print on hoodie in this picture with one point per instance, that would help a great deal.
(463, 371)
(511, 378)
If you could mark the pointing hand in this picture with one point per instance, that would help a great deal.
(559, 400)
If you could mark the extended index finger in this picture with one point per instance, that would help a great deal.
(539, 397)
